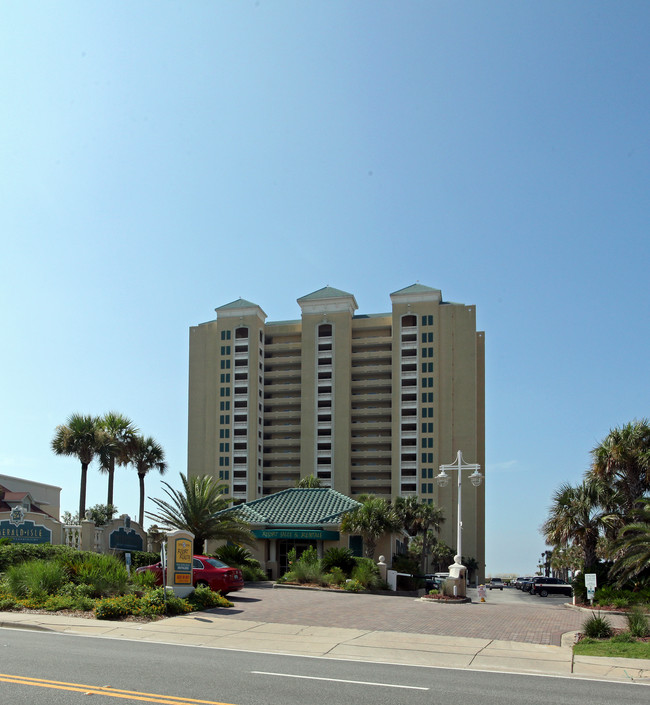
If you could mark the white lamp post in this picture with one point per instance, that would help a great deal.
(443, 479)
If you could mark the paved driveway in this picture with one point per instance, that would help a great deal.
(507, 615)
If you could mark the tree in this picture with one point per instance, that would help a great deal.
(633, 549)
(199, 508)
(622, 461)
(577, 517)
(81, 436)
(119, 436)
(308, 481)
(417, 519)
(372, 519)
(146, 455)
(99, 513)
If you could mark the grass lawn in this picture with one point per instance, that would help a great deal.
(606, 647)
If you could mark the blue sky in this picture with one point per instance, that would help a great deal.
(160, 159)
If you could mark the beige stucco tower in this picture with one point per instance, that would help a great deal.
(369, 404)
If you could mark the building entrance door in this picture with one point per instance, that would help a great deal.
(285, 545)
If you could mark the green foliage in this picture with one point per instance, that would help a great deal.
(353, 586)
(14, 553)
(144, 581)
(366, 573)
(141, 558)
(405, 564)
(339, 557)
(597, 627)
(372, 519)
(8, 603)
(204, 599)
(335, 577)
(253, 573)
(637, 622)
(434, 592)
(305, 572)
(35, 578)
(612, 649)
(200, 508)
(235, 556)
(308, 482)
(116, 607)
(104, 574)
(622, 638)
(578, 583)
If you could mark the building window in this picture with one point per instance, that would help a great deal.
(225, 335)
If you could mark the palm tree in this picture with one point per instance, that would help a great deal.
(120, 433)
(199, 509)
(622, 461)
(146, 455)
(418, 518)
(309, 481)
(577, 516)
(372, 519)
(82, 437)
(633, 548)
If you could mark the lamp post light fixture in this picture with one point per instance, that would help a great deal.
(443, 479)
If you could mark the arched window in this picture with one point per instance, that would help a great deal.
(409, 321)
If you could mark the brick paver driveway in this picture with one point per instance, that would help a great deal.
(506, 616)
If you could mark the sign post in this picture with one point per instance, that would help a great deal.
(179, 562)
(590, 584)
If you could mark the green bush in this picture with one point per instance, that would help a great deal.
(335, 577)
(117, 607)
(597, 627)
(637, 622)
(144, 581)
(8, 603)
(338, 557)
(353, 586)
(253, 573)
(367, 573)
(16, 553)
(578, 583)
(235, 556)
(305, 573)
(204, 599)
(36, 577)
(105, 575)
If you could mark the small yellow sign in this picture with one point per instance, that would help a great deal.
(180, 578)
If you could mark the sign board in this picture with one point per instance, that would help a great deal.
(125, 540)
(182, 555)
(318, 534)
(26, 532)
(590, 584)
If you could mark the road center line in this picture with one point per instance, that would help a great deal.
(339, 680)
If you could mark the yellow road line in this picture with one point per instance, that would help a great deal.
(104, 690)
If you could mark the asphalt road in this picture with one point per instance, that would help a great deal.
(45, 668)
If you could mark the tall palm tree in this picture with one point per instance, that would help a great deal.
(82, 437)
(577, 516)
(372, 519)
(622, 461)
(309, 481)
(633, 548)
(418, 518)
(146, 455)
(119, 437)
(199, 508)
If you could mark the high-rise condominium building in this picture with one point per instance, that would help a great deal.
(367, 403)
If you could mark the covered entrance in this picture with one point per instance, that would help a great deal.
(285, 545)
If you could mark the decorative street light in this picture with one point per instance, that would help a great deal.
(476, 479)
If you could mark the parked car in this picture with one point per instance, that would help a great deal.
(432, 583)
(495, 584)
(207, 571)
(527, 584)
(517, 582)
(550, 586)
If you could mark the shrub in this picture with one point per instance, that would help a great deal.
(104, 574)
(335, 577)
(338, 557)
(637, 622)
(8, 603)
(253, 573)
(204, 599)
(144, 581)
(434, 592)
(236, 556)
(306, 573)
(597, 627)
(116, 607)
(37, 577)
(367, 573)
(353, 586)
(16, 553)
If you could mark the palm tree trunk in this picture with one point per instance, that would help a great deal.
(111, 473)
(82, 491)
(141, 511)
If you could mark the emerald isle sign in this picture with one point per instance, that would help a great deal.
(296, 534)
(25, 532)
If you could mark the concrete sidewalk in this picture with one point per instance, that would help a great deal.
(212, 630)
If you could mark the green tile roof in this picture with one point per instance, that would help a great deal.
(239, 303)
(297, 507)
(327, 292)
(415, 289)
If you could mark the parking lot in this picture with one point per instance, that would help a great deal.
(507, 615)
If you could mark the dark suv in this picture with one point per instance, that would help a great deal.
(550, 586)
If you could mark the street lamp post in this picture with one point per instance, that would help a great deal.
(476, 479)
